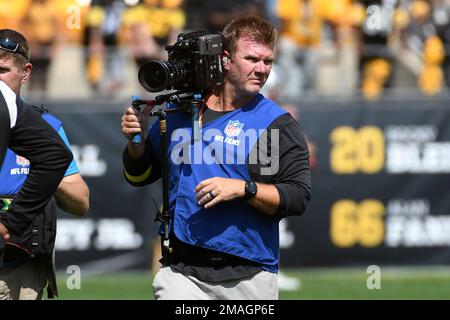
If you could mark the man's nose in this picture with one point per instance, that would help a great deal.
(261, 67)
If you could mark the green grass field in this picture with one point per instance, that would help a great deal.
(338, 283)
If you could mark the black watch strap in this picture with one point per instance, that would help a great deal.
(250, 189)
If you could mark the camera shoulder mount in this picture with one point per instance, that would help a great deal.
(190, 102)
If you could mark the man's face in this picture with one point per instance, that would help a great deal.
(13, 75)
(249, 66)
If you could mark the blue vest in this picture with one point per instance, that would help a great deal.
(15, 168)
(232, 227)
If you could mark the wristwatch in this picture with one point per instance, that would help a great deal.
(250, 189)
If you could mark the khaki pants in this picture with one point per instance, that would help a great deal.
(25, 282)
(172, 285)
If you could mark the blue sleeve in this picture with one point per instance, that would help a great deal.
(73, 168)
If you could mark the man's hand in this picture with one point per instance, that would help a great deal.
(214, 190)
(4, 233)
(134, 122)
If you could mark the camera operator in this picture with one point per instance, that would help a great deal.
(224, 233)
(27, 211)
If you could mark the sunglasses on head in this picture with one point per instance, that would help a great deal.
(12, 46)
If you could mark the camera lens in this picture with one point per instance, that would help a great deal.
(156, 76)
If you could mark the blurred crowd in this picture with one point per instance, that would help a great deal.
(368, 48)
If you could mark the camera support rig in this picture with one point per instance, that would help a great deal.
(190, 102)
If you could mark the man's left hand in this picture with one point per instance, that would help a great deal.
(215, 190)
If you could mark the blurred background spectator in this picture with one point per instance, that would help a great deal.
(441, 20)
(376, 61)
(345, 48)
(40, 21)
(301, 23)
(94, 48)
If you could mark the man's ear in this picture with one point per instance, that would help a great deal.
(225, 59)
(26, 73)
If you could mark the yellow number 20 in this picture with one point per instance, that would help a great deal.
(357, 150)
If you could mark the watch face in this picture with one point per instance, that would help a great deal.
(250, 189)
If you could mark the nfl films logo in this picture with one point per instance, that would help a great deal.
(21, 161)
(233, 128)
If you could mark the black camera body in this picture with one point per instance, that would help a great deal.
(194, 64)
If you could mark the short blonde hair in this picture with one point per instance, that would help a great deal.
(254, 27)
